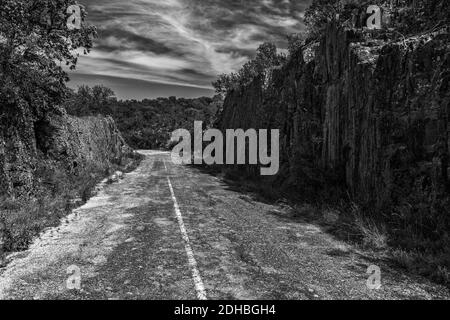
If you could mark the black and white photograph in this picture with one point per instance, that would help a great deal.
(224, 156)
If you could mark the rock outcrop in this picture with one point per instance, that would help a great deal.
(69, 143)
(370, 116)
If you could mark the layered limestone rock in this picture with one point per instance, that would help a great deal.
(70, 143)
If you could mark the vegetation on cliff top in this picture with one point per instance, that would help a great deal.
(403, 17)
(266, 58)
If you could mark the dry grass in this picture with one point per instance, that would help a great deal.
(414, 253)
(353, 225)
(373, 236)
(431, 265)
(22, 219)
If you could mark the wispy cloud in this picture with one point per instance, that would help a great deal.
(183, 42)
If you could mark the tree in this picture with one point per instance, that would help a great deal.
(225, 83)
(266, 58)
(295, 42)
(102, 95)
(318, 14)
(89, 101)
(34, 42)
(79, 102)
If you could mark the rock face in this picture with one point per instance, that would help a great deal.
(371, 116)
(72, 144)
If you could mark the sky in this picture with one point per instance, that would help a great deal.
(160, 48)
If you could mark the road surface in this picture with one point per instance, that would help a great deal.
(173, 232)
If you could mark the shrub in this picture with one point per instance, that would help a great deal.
(373, 236)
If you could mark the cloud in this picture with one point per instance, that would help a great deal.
(185, 43)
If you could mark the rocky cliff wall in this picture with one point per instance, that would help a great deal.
(55, 141)
(368, 116)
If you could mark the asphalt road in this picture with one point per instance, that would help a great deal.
(173, 232)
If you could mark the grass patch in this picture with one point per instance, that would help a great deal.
(431, 265)
(23, 219)
(57, 194)
(372, 235)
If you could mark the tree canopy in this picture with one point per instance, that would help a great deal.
(266, 58)
(35, 42)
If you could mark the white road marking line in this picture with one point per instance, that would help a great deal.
(199, 287)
